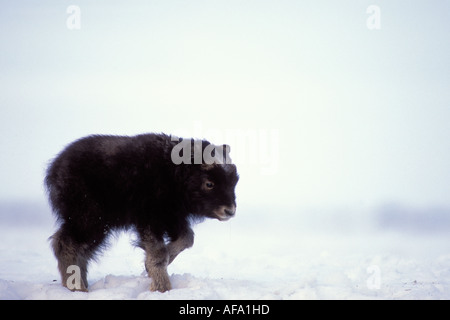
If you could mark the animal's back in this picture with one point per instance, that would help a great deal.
(105, 174)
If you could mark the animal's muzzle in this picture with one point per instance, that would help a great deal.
(223, 213)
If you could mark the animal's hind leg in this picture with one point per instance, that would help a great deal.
(73, 258)
(69, 260)
(156, 261)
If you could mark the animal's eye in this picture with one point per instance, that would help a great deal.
(209, 185)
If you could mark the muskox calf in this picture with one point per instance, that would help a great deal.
(103, 183)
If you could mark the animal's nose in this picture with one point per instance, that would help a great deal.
(230, 211)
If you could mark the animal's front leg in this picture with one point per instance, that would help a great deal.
(156, 262)
(184, 241)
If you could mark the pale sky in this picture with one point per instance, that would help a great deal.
(335, 113)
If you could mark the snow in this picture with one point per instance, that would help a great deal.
(263, 253)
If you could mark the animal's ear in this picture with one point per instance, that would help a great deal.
(230, 168)
(226, 154)
(207, 167)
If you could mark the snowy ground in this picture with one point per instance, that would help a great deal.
(263, 253)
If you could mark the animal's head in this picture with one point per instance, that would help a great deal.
(211, 190)
(217, 189)
(208, 176)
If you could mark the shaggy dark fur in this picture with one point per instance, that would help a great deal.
(103, 183)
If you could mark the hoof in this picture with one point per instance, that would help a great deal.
(82, 288)
(161, 287)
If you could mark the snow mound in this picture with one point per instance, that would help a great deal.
(245, 258)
